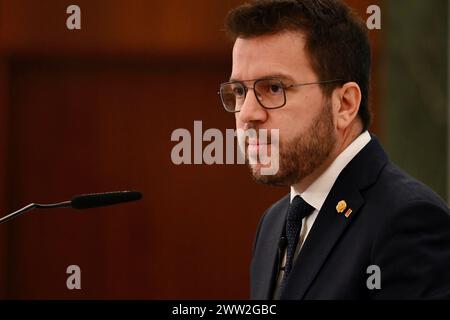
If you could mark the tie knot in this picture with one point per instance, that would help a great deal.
(299, 209)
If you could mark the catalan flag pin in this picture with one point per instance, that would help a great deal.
(348, 213)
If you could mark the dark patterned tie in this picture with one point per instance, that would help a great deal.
(298, 209)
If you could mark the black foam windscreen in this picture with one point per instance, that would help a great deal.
(282, 243)
(94, 200)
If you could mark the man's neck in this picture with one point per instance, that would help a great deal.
(344, 140)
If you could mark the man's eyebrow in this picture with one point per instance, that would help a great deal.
(280, 76)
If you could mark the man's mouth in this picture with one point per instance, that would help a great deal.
(253, 146)
(257, 144)
(254, 142)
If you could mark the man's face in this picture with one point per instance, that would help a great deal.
(306, 126)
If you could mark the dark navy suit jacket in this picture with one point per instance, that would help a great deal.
(397, 224)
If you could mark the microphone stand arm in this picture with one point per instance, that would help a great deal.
(31, 206)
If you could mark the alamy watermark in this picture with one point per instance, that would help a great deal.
(73, 21)
(74, 279)
(374, 20)
(374, 280)
(253, 147)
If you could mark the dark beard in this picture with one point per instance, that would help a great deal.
(300, 156)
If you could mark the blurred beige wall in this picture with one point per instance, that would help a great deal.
(415, 94)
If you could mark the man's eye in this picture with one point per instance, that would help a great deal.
(270, 87)
(275, 88)
(238, 92)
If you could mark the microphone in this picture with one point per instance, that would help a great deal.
(84, 201)
(94, 200)
(282, 244)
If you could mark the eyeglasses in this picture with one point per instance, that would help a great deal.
(270, 92)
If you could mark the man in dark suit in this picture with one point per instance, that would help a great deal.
(354, 226)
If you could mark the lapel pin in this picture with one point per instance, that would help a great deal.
(348, 213)
(341, 206)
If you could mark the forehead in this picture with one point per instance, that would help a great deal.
(268, 55)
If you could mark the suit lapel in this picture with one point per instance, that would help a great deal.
(329, 226)
(324, 234)
(268, 274)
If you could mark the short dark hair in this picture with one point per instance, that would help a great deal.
(337, 40)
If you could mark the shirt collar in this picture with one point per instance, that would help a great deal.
(317, 192)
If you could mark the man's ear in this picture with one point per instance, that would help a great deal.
(347, 99)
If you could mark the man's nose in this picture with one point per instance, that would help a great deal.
(251, 110)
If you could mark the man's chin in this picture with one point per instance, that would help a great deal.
(276, 180)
